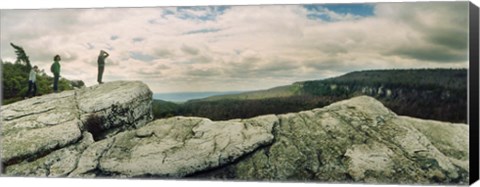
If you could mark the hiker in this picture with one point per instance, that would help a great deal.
(32, 78)
(55, 69)
(101, 65)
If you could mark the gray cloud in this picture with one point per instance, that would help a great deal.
(31, 28)
(245, 68)
(189, 50)
(453, 39)
(211, 72)
(279, 65)
(112, 63)
(137, 39)
(141, 56)
(239, 70)
(69, 57)
(202, 31)
(89, 45)
(442, 28)
(162, 53)
(201, 59)
(256, 67)
(432, 54)
(338, 65)
(162, 67)
(333, 48)
(148, 73)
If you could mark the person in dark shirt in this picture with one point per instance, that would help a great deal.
(55, 69)
(101, 65)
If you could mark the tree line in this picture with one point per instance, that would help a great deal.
(437, 94)
(15, 78)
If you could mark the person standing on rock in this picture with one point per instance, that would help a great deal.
(101, 65)
(32, 78)
(55, 69)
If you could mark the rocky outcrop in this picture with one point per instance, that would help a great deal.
(107, 131)
(36, 127)
(176, 147)
(357, 140)
(117, 106)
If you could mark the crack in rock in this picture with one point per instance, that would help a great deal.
(355, 140)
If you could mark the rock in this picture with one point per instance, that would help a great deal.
(128, 105)
(179, 146)
(77, 84)
(33, 127)
(88, 161)
(58, 163)
(107, 131)
(38, 126)
(357, 141)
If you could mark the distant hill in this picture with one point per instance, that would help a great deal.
(447, 79)
(179, 97)
(439, 94)
(281, 91)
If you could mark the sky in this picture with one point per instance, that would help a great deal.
(239, 47)
(321, 44)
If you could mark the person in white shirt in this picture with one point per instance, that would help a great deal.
(32, 79)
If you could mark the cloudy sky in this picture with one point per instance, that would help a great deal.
(232, 48)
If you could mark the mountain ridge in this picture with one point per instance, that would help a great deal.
(438, 94)
(359, 76)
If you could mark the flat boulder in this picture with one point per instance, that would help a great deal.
(36, 127)
(180, 146)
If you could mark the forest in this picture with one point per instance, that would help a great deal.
(437, 94)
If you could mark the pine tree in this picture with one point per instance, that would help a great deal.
(21, 55)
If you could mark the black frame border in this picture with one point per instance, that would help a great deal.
(473, 120)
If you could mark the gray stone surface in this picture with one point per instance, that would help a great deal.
(58, 163)
(179, 146)
(356, 140)
(122, 104)
(35, 127)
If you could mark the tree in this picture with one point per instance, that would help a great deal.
(21, 55)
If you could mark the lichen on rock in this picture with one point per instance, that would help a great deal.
(38, 126)
(360, 141)
(108, 130)
(180, 146)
